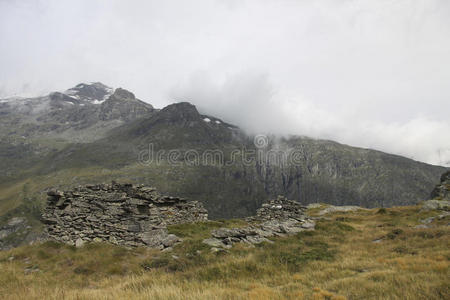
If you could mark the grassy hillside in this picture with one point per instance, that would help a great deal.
(340, 260)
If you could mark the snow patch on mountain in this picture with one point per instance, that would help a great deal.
(93, 92)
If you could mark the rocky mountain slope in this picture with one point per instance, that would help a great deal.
(80, 114)
(169, 148)
(34, 127)
(92, 134)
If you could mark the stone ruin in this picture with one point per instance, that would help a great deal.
(280, 209)
(278, 217)
(121, 214)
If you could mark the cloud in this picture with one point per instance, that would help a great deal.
(368, 73)
(251, 101)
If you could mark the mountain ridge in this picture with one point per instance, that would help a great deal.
(107, 143)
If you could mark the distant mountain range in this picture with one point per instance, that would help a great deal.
(93, 133)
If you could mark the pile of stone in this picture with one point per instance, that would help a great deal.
(118, 213)
(279, 217)
(280, 209)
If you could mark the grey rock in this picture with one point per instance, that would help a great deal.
(218, 250)
(422, 226)
(427, 220)
(227, 232)
(314, 205)
(257, 239)
(444, 215)
(170, 240)
(309, 225)
(332, 209)
(79, 243)
(213, 242)
(16, 221)
(436, 205)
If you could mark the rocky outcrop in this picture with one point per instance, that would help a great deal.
(118, 213)
(440, 196)
(278, 217)
(436, 205)
(442, 190)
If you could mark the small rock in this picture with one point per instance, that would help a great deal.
(79, 243)
(442, 216)
(332, 209)
(170, 240)
(421, 226)
(13, 222)
(314, 205)
(427, 220)
(218, 250)
(309, 225)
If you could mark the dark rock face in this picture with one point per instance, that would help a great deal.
(91, 91)
(442, 190)
(118, 213)
(122, 94)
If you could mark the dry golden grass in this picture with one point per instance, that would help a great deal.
(337, 261)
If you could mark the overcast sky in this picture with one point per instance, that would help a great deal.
(370, 73)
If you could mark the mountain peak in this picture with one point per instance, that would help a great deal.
(181, 110)
(123, 94)
(94, 92)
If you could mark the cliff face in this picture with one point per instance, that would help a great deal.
(118, 213)
(442, 190)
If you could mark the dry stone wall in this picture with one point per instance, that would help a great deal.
(280, 209)
(118, 213)
(278, 217)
